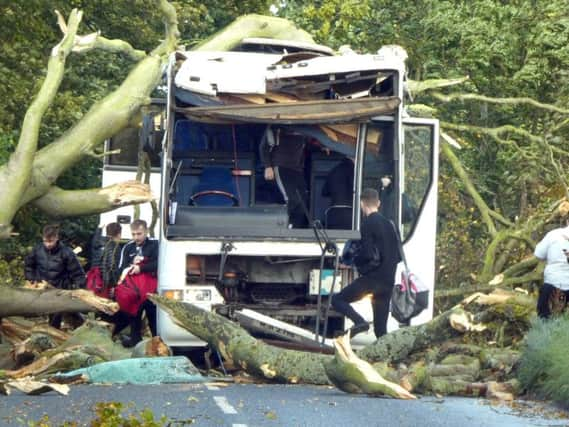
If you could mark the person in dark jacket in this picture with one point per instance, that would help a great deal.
(339, 186)
(110, 257)
(139, 258)
(282, 154)
(376, 262)
(55, 263)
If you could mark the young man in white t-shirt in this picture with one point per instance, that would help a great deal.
(554, 250)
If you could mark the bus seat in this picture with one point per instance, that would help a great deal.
(188, 138)
(338, 217)
(215, 188)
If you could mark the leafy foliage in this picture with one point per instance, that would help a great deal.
(543, 366)
(110, 414)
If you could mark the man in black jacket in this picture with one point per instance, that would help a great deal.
(138, 256)
(55, 263)
(376, 262)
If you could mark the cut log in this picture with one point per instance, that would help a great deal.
(30, 302)
(353, 375)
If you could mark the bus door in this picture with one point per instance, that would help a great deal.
(417, 213)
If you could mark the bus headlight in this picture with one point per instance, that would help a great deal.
(175, 294)
(199, 295)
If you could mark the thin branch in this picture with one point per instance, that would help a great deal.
(96, 41)
(416, 86)
(496, 133)
(489, 99)
(95, 155)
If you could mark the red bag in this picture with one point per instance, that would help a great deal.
(95, 283)
(132, 291)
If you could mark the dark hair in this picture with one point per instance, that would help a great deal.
(113, 229)
(369, 196)
(137, 223)
(50, 231)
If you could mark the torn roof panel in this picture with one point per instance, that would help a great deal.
(301, 112)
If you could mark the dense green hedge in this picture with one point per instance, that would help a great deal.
(544, 367)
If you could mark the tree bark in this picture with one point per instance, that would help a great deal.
(254, 26)
(61, 203)
(240, 349)
(30, 302)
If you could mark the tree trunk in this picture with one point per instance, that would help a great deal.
(240, 349)
(31, 302)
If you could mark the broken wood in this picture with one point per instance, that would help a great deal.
(353, 375)
(30, 302)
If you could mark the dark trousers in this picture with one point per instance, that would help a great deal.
(545, 293)
(136, 322)
(355, 291)
(292, 184)
(122, 320)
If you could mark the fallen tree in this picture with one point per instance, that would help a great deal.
(34, 302)
(467, 350)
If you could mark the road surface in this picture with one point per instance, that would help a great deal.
(240, 405)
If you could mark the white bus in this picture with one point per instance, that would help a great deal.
(225, 240)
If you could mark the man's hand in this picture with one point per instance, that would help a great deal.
(135, 269)
(269, 174)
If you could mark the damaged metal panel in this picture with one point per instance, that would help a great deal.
(301, 112)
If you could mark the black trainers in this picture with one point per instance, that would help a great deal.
(130, 341)
(358, 329)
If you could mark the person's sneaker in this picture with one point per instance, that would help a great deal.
(358, 329)
(130, 342)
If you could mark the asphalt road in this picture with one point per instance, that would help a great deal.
(240, 405)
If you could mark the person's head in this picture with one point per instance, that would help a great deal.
(113, 230)
(50, 236)
(139, 231)
(369, 201)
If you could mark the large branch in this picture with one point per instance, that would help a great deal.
(31, 302)
(64, 203)
(15, 176)
(465, 179)
(254, 26)
(105, 118)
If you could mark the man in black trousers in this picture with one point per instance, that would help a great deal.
(376, 262)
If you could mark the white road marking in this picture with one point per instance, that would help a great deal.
(212, 387)
(238, 425)
(224, 405)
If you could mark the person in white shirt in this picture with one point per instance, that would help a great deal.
(554, 250)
